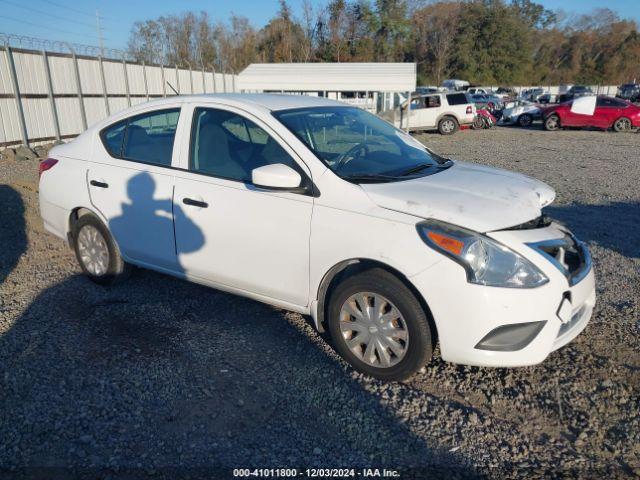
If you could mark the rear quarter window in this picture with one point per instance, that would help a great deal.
(457, 99)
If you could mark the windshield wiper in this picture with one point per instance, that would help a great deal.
(416, 169)
(369, 178)
(423, 166)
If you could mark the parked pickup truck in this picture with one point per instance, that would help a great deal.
(444, 112)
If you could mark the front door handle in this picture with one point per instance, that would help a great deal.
(96, 183)
(194, 203)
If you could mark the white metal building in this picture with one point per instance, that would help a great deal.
(375, 86)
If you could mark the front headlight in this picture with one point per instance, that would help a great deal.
(486, 261)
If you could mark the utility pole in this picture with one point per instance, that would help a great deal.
(99, 28)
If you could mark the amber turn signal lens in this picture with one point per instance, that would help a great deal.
(449, 244)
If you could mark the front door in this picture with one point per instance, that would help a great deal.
(131, 185)
(253, 240)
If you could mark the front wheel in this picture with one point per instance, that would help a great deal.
(525, 120)
(379, 326)
(478, 122)
(447, 126)
(552, 123)
(97, 252)
(623, 124)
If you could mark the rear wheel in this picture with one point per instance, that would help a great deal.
(97, 252)
(623, 124)
(378, 325)
(478, 122)
(525, 120)
(447, 125)
(552, 123)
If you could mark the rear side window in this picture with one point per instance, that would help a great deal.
(112, 138)
(457, 99)
(146, 138)
(609, 102)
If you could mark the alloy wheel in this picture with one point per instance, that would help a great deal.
(374, 330)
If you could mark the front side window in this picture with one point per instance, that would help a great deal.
(146, 138)
(224, 144)
(358, 145)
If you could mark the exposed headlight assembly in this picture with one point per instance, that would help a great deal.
(486, 261)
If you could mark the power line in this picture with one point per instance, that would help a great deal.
(48, 14)
(81, 12)
(44, 27)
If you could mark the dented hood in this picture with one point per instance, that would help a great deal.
(469, 195)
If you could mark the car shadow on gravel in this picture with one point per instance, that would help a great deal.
(160, 378)
(13, 236)
(614, 225)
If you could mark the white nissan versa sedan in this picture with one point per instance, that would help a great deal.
(324, 209)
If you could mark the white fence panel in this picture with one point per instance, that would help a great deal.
(185, 82)
(170, 78)
(90, 78)
(10, 130)
(38, 117)
(95, 110)
(154, 80)
(114, 77)
(68, 109)
(5, 76)
(30, 72)
(117, 103)
(63, 75)
(136, 79)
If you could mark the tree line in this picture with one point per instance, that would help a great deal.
(509, 42)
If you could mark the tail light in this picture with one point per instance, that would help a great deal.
(46, 165)
(469, 110)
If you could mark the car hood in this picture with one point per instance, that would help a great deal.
(469, 195)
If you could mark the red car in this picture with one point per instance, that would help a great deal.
(600, 112)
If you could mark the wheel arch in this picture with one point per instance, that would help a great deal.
(352, 266)
(75, 215)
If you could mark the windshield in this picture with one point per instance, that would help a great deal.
(359, 146)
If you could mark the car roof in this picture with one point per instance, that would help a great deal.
(268, 101)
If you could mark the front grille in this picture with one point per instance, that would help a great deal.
(568, 254)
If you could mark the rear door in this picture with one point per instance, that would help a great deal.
(608, 110)
(130, 183)
(426, 116)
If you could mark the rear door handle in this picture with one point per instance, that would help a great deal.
(96, 183)
(194, 203)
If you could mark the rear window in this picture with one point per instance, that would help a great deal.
(457, 99)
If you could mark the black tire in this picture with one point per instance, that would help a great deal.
(623, 124)
(420, 336)
(478, 122)
(552, 123)
(448, 125)
(117, 270)
(525, 120)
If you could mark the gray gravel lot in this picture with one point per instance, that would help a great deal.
(161, 378)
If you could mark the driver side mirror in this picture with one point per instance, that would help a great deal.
(277, 176)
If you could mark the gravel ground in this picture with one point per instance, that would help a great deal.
(161, 378)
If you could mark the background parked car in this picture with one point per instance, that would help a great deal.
(591, 111)
(492, 102)
(575, 92)
(506, 93)
(547, 97)
(455, 85)
(444, 112)
(531, 94)
(520, 112)
(629, 91)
